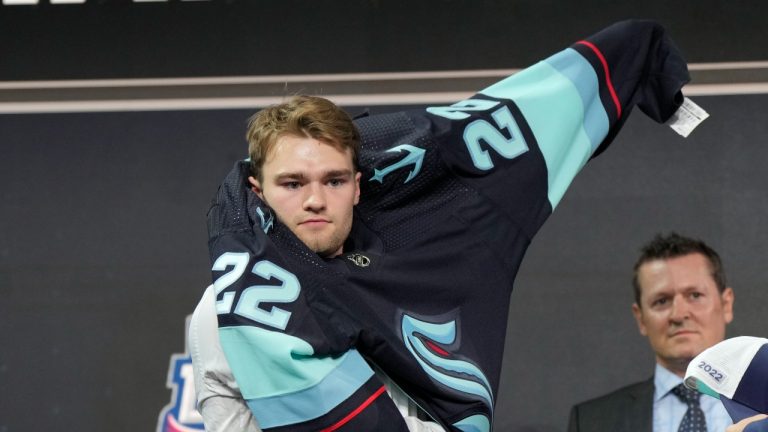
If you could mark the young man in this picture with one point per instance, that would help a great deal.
(682, 305)
(303, 157)
(448, 200)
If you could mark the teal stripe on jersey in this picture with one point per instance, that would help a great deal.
(475, 423)
(577, 69)
(271, 364)
(315, 401)
(280, 379)
(266, 363)
(554, 109)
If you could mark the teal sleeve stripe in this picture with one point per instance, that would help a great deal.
(577, 69)
(315, 401)
(555, 111)
(475, 423)
(270, 363)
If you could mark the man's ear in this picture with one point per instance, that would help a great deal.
(727, 298)
(638, 313)
(357, 187)
(256, 186)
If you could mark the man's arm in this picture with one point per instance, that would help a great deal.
(522, 140)
(219, 400)
(223, 414)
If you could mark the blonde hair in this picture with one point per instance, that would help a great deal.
(302, 116)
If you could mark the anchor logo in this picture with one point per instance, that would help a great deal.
(415, 157)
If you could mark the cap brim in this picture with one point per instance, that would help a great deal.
(736, 410)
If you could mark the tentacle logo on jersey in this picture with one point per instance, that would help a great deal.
(426, 342)
(180, 415)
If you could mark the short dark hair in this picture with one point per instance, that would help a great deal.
(675, 245)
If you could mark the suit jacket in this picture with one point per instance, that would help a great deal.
(628, 409)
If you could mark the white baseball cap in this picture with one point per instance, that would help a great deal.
(736, 372)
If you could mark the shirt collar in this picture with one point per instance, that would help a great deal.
(664, 381)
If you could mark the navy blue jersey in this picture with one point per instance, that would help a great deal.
(451, 198)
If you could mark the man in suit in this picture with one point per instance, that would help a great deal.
(682, 305)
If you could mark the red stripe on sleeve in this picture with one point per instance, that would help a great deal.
(354, 413)
(607, 75)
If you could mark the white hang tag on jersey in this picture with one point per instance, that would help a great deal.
(687, 117)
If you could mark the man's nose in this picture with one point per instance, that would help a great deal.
(680, 310)
(315, 198)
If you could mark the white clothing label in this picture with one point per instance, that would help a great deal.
(687, 117)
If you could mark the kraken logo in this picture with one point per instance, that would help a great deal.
(425, 341)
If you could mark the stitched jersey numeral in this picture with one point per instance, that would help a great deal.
(481, 131)
(248, 304)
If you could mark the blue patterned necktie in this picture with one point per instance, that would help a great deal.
(693, 421)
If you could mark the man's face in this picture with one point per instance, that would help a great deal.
(681, 311)
(312, 187)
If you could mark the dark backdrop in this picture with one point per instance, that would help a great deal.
(102, 234)
(119, 38)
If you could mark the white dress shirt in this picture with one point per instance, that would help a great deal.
(669, 410)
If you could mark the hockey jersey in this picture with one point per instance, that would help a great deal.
(451, 198)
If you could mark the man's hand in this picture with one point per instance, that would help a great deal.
(739, 427)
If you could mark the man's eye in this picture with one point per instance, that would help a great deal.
(696, 295)
(291, 185)
(335, 182)
(660, 302)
